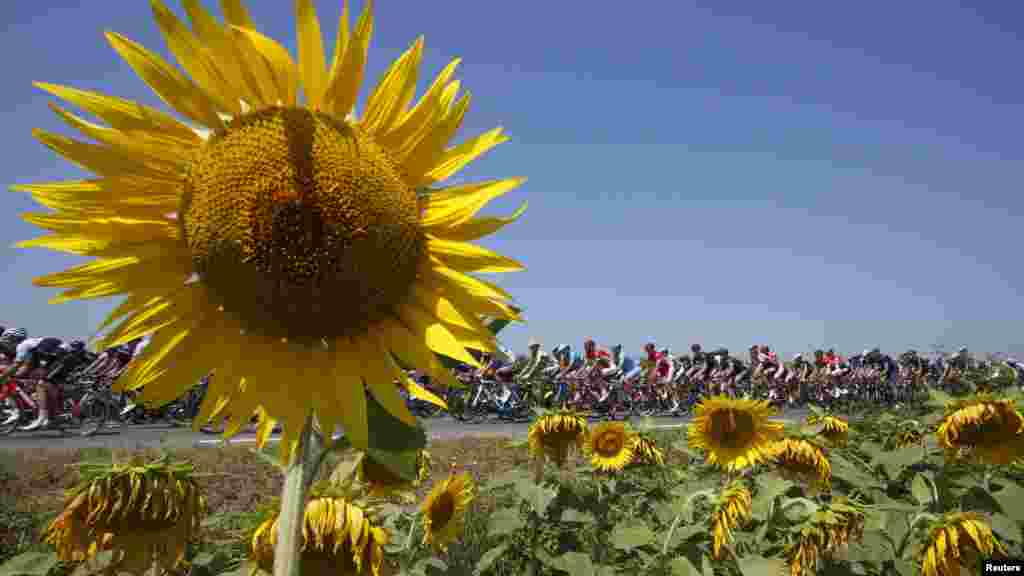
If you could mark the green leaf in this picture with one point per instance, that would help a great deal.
(873, 547)
(389, 434)
(875, 520)
(402, 464)
(489, 558)
(210, 564)
(627, 536)
(706, 567)
(435, 563)
(798, 509)
(1011, 500)
(769, 487)
(921, 489)
(761, 566)
(575, 563)
(29, 564)
(894, 462)
(851, 472)
(514, 476)
(504, 522)
(573, 515)
(906, 568)
(681, 566)
(1005, 527)
(937, 398)
(539, 497)
(684, 533)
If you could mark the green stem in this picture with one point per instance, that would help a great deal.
(671, 531)
(412, 529)
(298, 477)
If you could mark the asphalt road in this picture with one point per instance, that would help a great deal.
(156, 435)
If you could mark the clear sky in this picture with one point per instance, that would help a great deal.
(798, 173)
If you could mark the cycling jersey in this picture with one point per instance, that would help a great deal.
(24, 351)
(663, 367)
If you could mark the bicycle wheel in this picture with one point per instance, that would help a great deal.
(94, 413)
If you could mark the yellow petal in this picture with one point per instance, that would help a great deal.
(340, 41)
(394, 91)
(152, 151)
(479, 227)
(197, 61)
(375, 365)
(448, 208)
(277, 61)
(431, 150)
(343, 86)
(171, 86)
(415, 125)
(457, 158)
(216, 39)
(468, 257)
(350, 393)
(312, 62)
(475, 286)
(436, 335)
(100, 160)
(124, 115)
(413, 351)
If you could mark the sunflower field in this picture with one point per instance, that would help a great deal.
(737, 492)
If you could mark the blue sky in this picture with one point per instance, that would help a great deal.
(804, 174)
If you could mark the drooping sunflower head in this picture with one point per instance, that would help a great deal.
(555, 435)
(611, 446)
(731, 511)
(988, 431)
(824, 534)
(243, 233)
(803, 462)
(835, 430)
(144, 514)
(736, 433)
(444, 510)
(338, 538)
(958, 539)
(647, 452)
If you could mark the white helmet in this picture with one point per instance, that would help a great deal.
(798, 356)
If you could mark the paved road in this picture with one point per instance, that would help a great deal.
(155, 436)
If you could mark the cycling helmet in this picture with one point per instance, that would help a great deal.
(17, 334)
(962, 350)
(798, 356)
(695, 348)
(664, 351)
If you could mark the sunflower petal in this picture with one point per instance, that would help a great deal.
(437, 336)
(475, 286)
(312, 62)
(139, 146)
(455, 206)
(480, 227)
(171, 86)
(350, 394)
(376, 368)
(414, 125)
(346, 77)
(431, 150)
(459, 157)
(470, 257)
(124, 115)
(278, 62)
(394, 91)
(195, 59)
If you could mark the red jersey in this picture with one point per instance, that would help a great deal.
(599, 355)
(664, 366)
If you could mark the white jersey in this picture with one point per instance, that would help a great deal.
(141, 346)
(24, 350)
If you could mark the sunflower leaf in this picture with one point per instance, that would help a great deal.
(631, 534)
(504, 522)
(489, 558)
(1005, 527)
(29, 564)
(682, 566)
(761, 566)
(1009, 499)
(389, 434)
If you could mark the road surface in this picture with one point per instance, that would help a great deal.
(162, 435)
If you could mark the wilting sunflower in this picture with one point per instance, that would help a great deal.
(144, 514)
(646, 451)
(959, 539)
(835, 430)
(291, 245)
(803, 462)
(827, 532)
(444, 510)
(338, 538)
(731, 511)
(382, 481)
(610, 446)
(736, 433)
(988, 431)
(554, 436)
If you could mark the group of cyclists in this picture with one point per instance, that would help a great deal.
(602, 378)
(35, 374)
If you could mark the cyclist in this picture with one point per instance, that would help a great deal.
(31, 359)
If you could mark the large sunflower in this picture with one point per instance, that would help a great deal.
(736, 433)
(293, 246)
(554, 435)
(986, 430)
